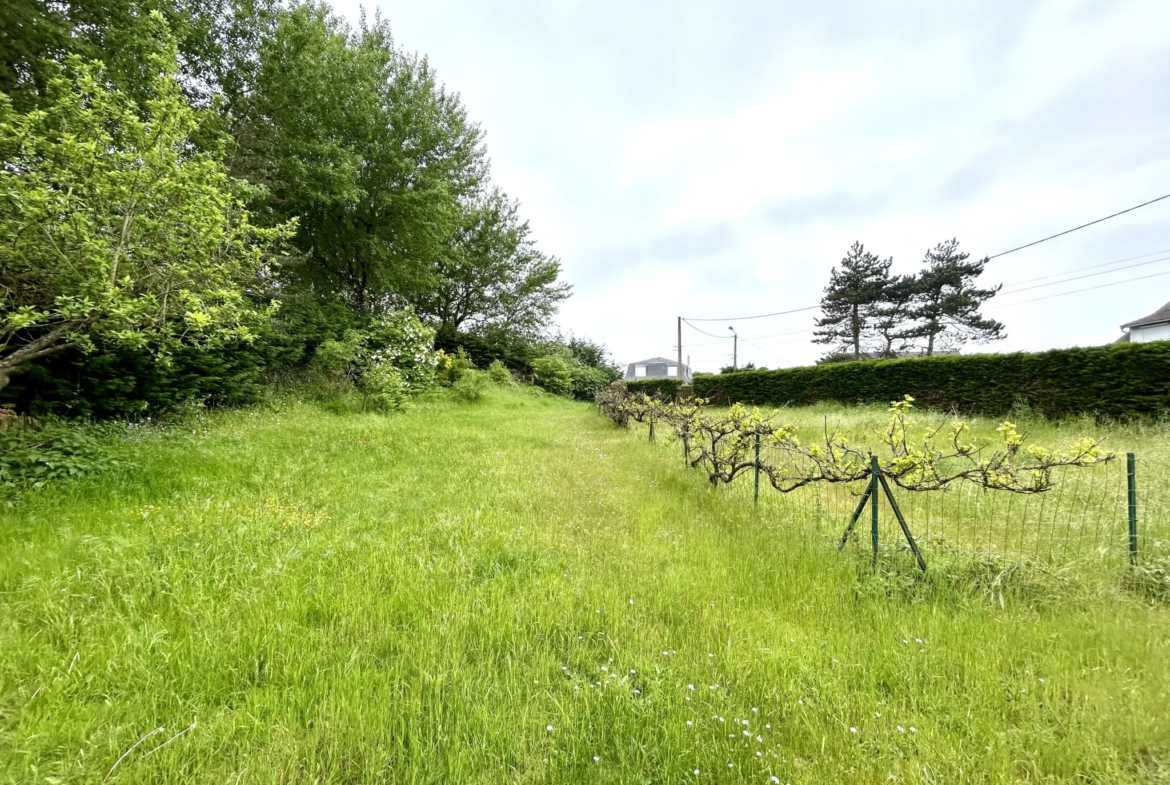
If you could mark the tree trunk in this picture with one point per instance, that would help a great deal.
(930, 344)
(5, 376)
(856, 334)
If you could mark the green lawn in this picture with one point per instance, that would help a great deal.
(516, 591)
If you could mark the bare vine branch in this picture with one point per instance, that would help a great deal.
(928, 459)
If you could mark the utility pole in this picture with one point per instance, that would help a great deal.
(734, 349)
(681, 379)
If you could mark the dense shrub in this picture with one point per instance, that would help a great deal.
(122, 382)
(659, 388)
(1120, 380)
(499, 374)
(450, 365)
(117, 381)
(32, 455)
(553, 374)
(387, 362)
(587, 382)
(483, 350)
(471, 384)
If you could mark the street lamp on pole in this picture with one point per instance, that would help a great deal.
(734, 349)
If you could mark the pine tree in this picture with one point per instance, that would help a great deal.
(891, 327)
(946, 302)
(853, 291)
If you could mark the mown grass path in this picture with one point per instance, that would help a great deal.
(517, 592)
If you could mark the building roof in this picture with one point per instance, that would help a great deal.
(1160, 316)
(660, 360)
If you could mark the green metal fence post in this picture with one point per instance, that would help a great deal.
(756, 498)
(902, 522)
(1131, 481)
(874, 473)
(856, 514)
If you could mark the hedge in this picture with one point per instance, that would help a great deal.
(663, 388)
(1120, 380)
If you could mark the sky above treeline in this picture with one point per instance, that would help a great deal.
(712, 158)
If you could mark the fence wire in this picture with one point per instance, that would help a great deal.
(1082, 521)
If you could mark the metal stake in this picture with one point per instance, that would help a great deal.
(757, 496)
(1131, 481)
(902, 523)
(856, 514)
(874, 474)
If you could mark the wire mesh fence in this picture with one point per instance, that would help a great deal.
(1083, 521)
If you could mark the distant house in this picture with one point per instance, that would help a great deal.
(656, 368)
(1155, 327)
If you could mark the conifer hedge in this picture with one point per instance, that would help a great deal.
(662, 388)
(1120, 380)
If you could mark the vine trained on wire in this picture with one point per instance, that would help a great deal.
(913, 458)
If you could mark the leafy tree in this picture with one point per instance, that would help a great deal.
(35, 36)
(849, 300)
(359, 142)
(945, 301)
(589, 354)
(113, 227)
(492, 276)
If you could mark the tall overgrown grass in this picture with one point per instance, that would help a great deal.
(513, 590)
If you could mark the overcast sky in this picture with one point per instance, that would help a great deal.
(717, 158)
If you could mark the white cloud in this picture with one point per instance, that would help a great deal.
(717, 158)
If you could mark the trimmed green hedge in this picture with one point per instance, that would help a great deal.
(1121, 380)
(663, 388)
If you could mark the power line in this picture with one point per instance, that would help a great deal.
(989, 258)
(755, 337)
(1088, 275)
(1077, 291)
(1089, 267)
(765, 351)
(1075, 228)
(693, 327)
(757, 316)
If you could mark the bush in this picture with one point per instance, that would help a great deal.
(387, 362)
(471, 384)
(499, 374)
(511, 350)
(1120, 380)
(123, 382)
(666, 389)
(553, 374)
(32, 455)
(451, 365)
(587, 382)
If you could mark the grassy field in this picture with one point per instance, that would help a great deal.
(515, 591)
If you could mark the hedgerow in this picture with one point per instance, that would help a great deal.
(661, 388)
(1121, 380)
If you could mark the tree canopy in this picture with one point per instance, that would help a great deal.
(113, 226)
(866, 312)
(848, 305)
(282, 122)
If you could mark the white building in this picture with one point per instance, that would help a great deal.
(656, 368)
(1155, 327)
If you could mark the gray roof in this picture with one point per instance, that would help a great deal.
(1160, 316)
(660, 360)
